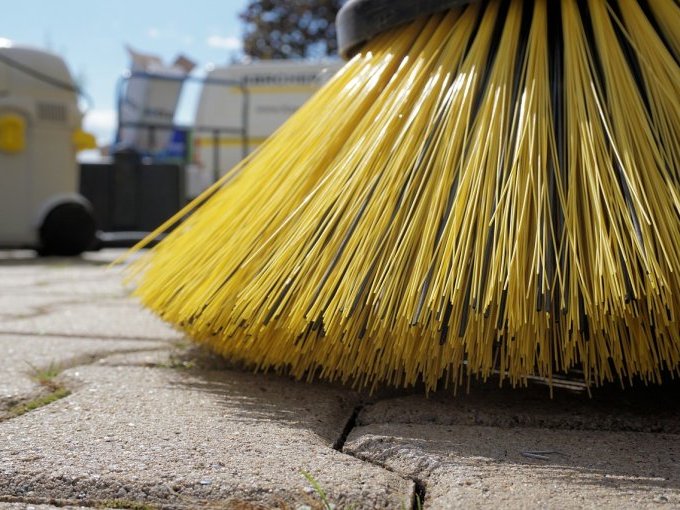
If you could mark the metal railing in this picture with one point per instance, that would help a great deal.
(153, 128)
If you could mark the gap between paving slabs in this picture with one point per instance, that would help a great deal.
(51, 387)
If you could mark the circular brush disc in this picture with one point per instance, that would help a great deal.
(489, 189)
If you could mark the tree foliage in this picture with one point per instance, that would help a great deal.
(290, 28)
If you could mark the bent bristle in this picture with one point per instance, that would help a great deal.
(491, 189)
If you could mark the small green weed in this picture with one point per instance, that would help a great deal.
(38, 402)
(419, 502)
(182, 344)
(125, 504)
(318, 489)
(45, 376)
(177, 363)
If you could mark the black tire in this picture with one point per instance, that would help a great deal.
(68, 229)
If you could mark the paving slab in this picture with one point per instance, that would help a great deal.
(72, 297)
(125, 320)
(74, 281)
(183, 438)
(520, 449)
(148, 423)
(60, 276)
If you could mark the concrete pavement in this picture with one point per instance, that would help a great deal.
(103, 405)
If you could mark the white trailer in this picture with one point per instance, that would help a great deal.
(40, 133)
(241, 105)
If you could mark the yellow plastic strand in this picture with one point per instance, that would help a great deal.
(492, 189)
(667, 15)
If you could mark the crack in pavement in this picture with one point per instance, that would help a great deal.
(205, 504)
(85, 503)
(42, 310)
(419, 486)
(339, 443)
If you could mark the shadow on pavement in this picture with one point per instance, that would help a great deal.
(253, 397)
(572, 437)
(617, 439)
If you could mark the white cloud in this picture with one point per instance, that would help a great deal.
(226, 43)
(102, 124)
(169, 34)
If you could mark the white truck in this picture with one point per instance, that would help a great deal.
(233, 120)
(40, 133)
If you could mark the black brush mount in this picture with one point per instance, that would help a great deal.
(360, 20)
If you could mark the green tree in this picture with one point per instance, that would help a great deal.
(290, 28)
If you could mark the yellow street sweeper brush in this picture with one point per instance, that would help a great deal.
(485, 187)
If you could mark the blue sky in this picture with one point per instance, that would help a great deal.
(91, 36)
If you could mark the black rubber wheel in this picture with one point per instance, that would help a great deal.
(68, 229)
